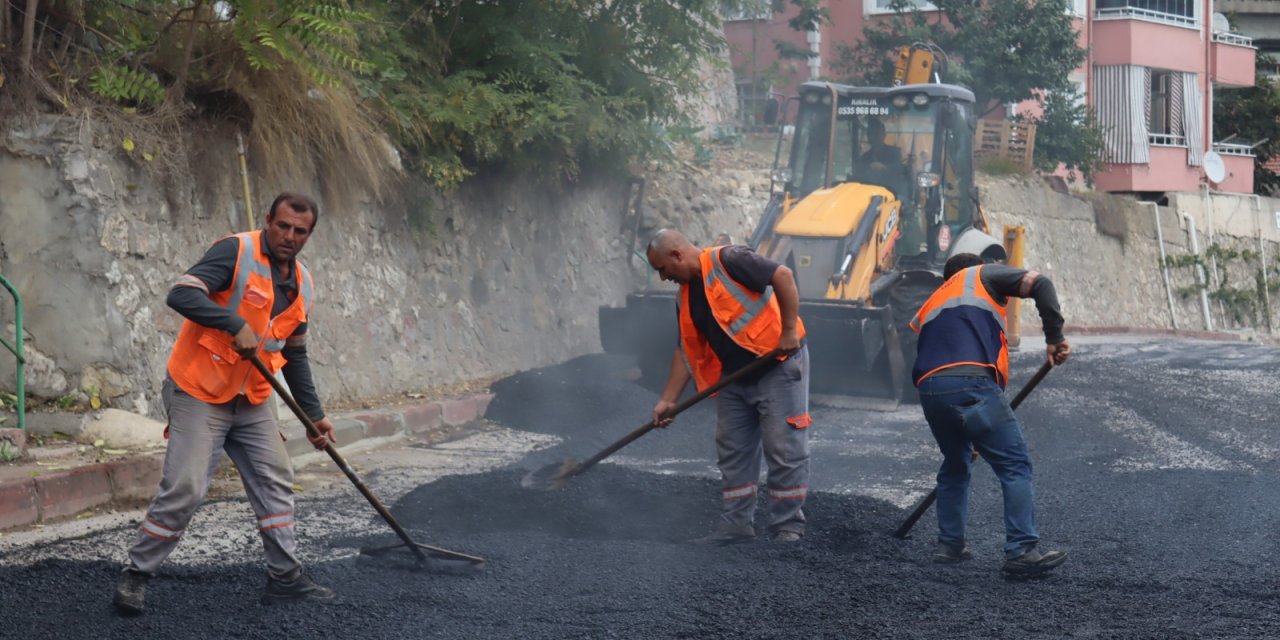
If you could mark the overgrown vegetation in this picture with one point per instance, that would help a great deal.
(1006, 52)
(1249, 116)
(1247, 304)
(325, 87)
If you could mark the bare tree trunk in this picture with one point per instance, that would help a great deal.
(191, 43)
(28, 33)
(4, 23)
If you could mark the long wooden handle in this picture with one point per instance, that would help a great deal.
(933, 493)
(314, 432)
(753, 366)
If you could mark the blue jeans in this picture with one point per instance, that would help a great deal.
(965, 412)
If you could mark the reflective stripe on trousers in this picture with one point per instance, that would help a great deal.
(761, 419)
(198, 434)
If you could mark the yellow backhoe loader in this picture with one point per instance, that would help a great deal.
(877, 192)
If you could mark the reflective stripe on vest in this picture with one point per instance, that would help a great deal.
(752, 308)
(968, 296)
(246, 263)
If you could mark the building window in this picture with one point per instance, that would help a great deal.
(1182, 12)
(872, 7)
(1077, 7)
(756, 108)
(1164, 110)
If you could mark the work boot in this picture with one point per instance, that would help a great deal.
(131, 592)
(1034, 562)
(787, 537)
(724, 538)
(951, 554)
(301, 588)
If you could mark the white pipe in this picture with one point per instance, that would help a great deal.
(1164, 263)
(1262, 260)
(1200, 276)
(1210, 223)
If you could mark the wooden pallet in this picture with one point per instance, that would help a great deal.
(1007, 140)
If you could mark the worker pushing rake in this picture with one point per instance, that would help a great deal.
(741, 338)
(961, 369)
(246, 305)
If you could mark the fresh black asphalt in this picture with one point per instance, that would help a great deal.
(1156, 468)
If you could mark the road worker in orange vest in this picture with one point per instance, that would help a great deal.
(249, 294)
(961, 369)
(735, 305)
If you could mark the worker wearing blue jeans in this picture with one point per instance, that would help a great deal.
(972, 410)
(961, 369)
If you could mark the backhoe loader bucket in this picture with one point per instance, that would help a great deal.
(855, 359)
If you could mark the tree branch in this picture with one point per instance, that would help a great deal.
(28, 34)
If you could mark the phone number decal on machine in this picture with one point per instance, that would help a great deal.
(863, 111)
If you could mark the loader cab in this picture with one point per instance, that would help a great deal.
(916, 141)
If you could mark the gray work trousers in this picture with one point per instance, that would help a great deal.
(198, 434)
(769, 415)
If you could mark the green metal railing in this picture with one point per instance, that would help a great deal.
(16, 349)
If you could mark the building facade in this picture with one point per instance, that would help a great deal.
(1152, 69)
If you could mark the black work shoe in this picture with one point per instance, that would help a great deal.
(1034, 562)
(300, 589)
(787, 537)
(131, 592)
(951, 554)
(723, 538)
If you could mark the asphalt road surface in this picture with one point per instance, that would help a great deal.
(1156, 468)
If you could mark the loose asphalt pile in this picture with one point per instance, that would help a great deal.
(1155, 468)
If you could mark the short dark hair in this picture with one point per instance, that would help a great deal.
(299, 202)
(960, 262)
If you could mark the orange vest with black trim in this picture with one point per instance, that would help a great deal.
(204, 362)
(752, 320)
(961, 324)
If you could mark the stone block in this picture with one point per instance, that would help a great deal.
(423, 417)
(66, 493)
(18, 503)
(123, 429)
(482, 404)
(459, 411)
(381, 424)
(347, 431)
(137, 477)
(71, 424)
(13, 444)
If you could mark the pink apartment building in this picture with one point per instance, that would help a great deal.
(1152, 68)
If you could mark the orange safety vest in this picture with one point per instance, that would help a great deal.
(753, 320)
(965, 326)
(204, 362)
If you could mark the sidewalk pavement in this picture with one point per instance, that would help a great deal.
(57, 482)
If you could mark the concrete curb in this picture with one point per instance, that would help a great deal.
(48, 496)
(1031, 331)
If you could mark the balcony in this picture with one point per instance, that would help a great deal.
(1239, 160)
(1234, 57)
(1125, 38)
(1181, 13)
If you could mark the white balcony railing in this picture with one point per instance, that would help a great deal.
(1114, 13)
(1230, 149)
(1232, 38)
(1166, 140)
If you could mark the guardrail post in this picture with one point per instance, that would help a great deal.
(1013, 246)
(16, 349)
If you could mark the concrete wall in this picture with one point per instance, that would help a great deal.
(1102, 253)
(500, 276)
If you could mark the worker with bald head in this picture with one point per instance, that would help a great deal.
(735, 306)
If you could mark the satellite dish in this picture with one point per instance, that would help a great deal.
(1214, 168)
(1221, 24)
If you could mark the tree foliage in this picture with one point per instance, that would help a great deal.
(1253, 115)
(554, 85)
(1005, 51)
(1067, 134)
